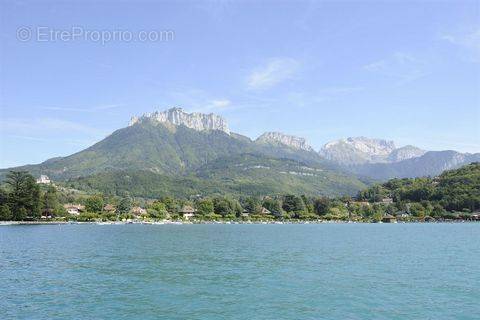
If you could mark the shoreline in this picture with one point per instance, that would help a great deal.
(170, 222)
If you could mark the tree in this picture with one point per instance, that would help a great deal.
(251, 205)
(295, 204)
(205, 207)
(227, 207)
(94, 204)
(50, 201)
(5, 213)
(273, 205)
(438, 210)
(337, 213)
(321, 206)
(24, 195)
(417, 210)
(308, 203)
(157, 210)
(124, 206)
(171, 205)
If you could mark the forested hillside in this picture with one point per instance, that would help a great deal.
(453, 190)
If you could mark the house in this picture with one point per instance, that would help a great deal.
(245, 213)
(387, 200)
(109, 208)
(265, 211)
(43, 179)
(187, 212)
(388, 218)
(362, 203)
(74, 209)
(429, 219)
(138, 211)
(402, 215)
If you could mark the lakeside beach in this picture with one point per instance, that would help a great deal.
(180, 222)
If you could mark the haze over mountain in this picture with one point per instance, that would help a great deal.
(191, 153)
(283, 139)
(360, 150)
(381, 159)
(175, 152)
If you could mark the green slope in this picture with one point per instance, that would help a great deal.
(245, 174)
(151, 159)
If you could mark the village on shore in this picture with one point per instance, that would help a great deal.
(26, 200)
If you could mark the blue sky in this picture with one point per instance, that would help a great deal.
(406, 71)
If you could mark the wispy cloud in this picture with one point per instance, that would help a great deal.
(468, 41)
(402, 67)
(308, 99)
(220, 104)
(29, 127)
(75, 142)
(275, 71)
(198, 100)
(339, 90)
(85, 110)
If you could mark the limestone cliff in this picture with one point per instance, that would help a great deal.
(280, 138)
(177, 116)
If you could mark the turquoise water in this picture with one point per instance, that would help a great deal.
(327, 271)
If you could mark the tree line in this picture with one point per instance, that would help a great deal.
(440, 197)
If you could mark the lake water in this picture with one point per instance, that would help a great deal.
(326, 271)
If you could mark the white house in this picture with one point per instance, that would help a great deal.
(43, 179)
(138, 211)
(265, 211)
(74, 209)
(188, 212)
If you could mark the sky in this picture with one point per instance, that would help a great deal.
(72, 73)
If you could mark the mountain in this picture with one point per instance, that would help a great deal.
(276, 138)
(352, 151)
(381, 160)
(404, 153)
(241, 174)
(178, 117)
(431, 163)
(180, 153)
(193, 153)
(453, 190)
(146, 145)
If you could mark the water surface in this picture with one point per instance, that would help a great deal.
(327, 271)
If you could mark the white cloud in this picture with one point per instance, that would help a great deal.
(338, 91)
(401, 66)
(197, 100)
(29, 127)
(275, 71)
(320, 95)
(86, 110)
(75, 142)
(469, 41)
(223, 103)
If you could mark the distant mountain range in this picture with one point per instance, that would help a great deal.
(185, 154)
(381, 159)
(361, 150)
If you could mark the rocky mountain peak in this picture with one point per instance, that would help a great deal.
(357, 150)
(177, 116)
(362, 150)
(288, 140)
(404, 153)
(370, 146)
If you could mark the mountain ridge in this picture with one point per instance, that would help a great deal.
(177, 116)
(273, 137)
(173, 144)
